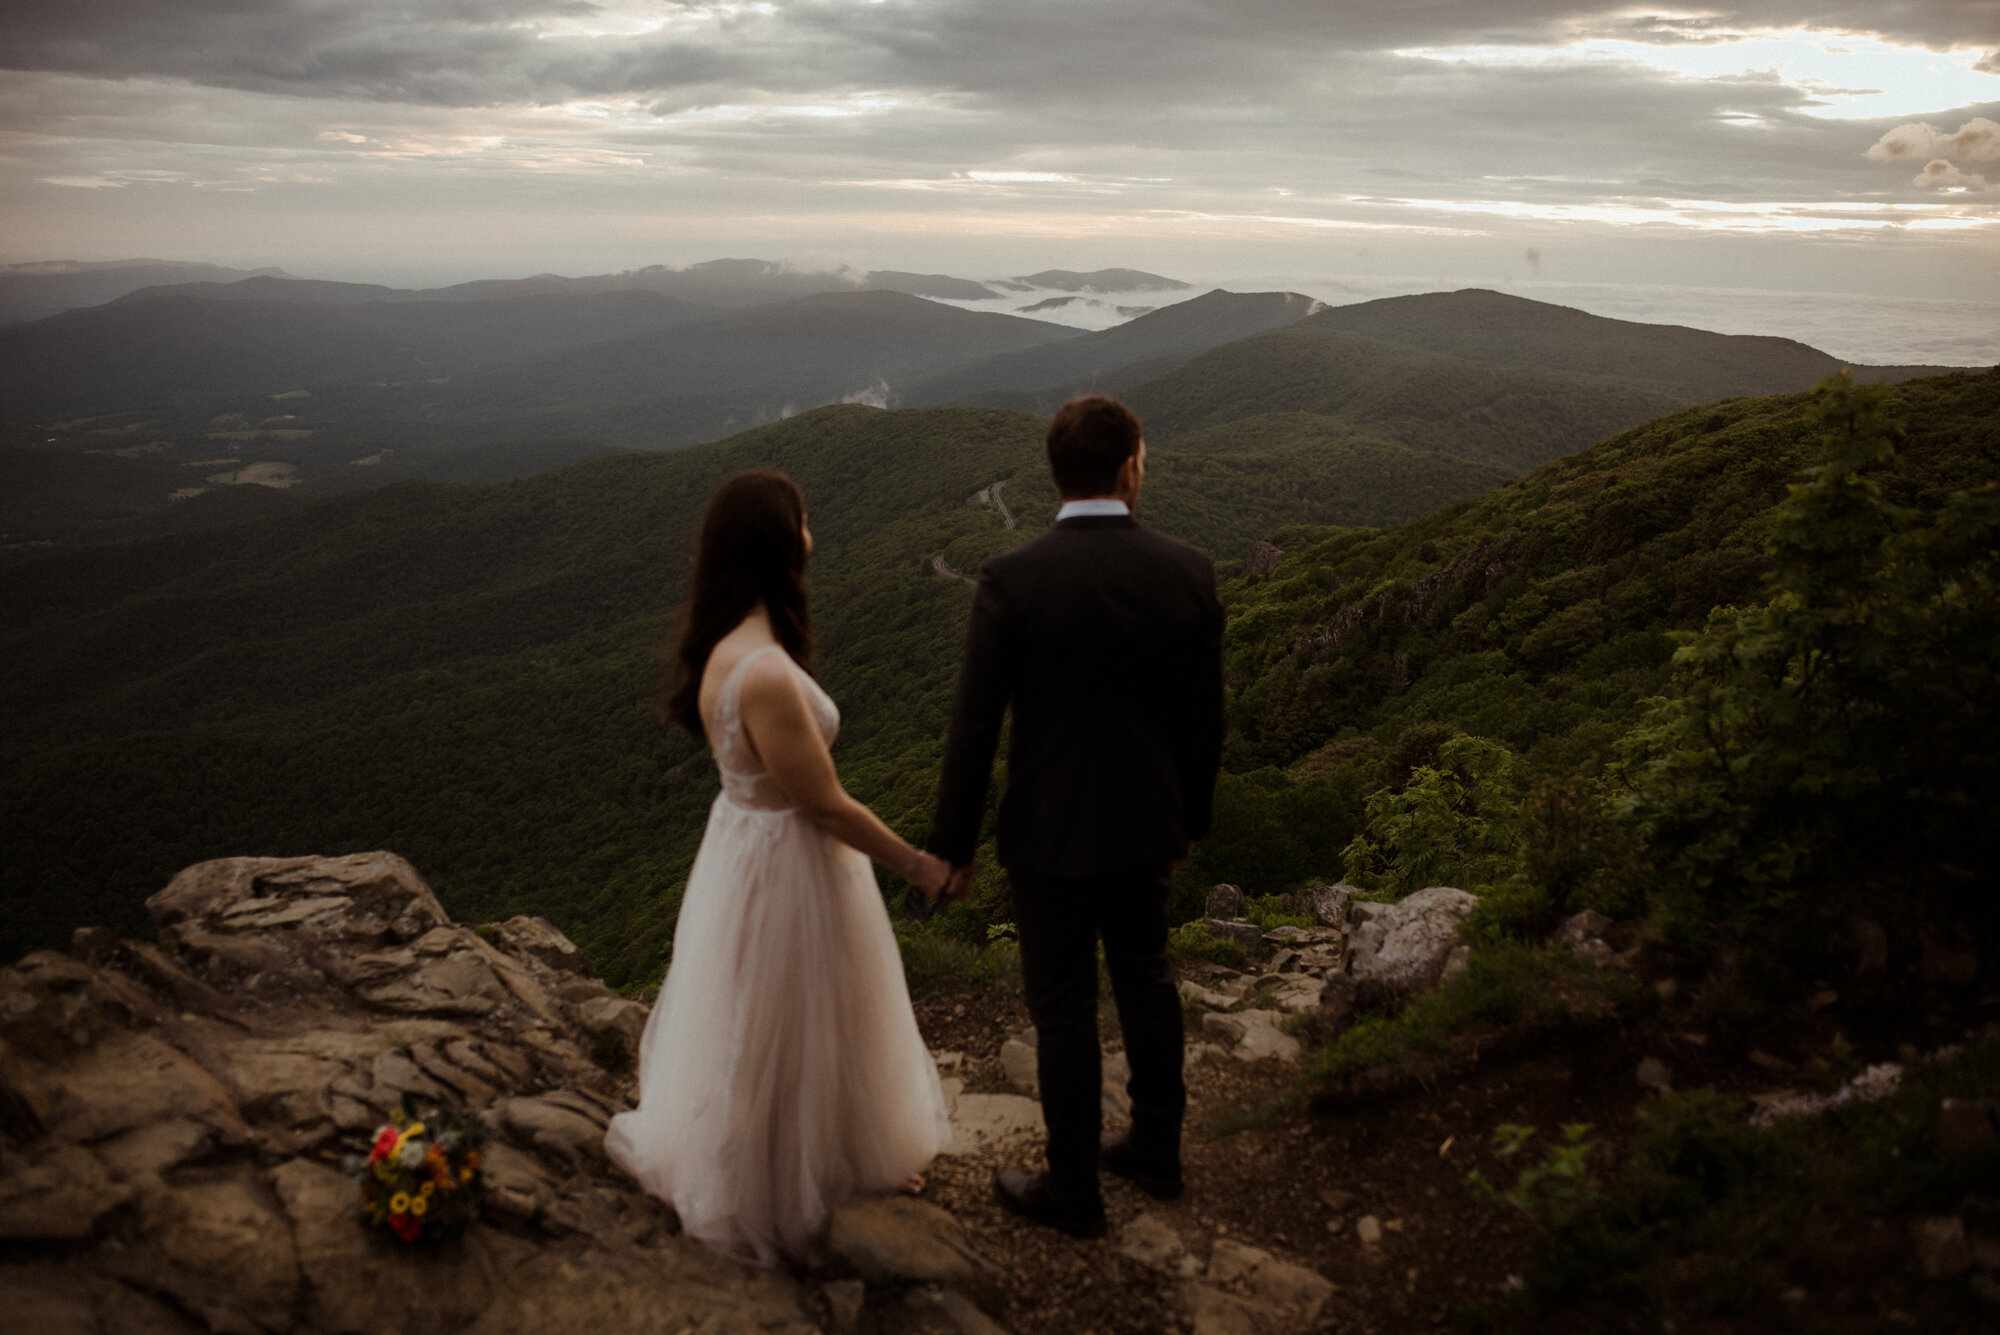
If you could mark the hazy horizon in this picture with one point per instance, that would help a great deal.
(1859, 327)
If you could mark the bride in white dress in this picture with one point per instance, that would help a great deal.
(781, 1071)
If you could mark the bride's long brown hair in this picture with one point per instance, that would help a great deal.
(753, 550)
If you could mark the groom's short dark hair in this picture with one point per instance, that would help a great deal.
(1089, 439)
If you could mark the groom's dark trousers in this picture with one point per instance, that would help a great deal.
(1104, 640)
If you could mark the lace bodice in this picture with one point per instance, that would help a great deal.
(745, 781)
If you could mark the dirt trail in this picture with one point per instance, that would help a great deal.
(1296, 1188)
(937, 564)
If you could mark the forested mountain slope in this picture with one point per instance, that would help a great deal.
(35, 291)
(1537, 615)
(1475, 374)
(1509, 417)
(1172, 332)
(840, 340)
(463, 669)
(169, 349)
(1485, 326)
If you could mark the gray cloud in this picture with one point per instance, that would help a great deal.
(1978, 140)
(1075, 120)
(497, 52)
(1939, 174)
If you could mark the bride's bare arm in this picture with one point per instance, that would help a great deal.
(787, 739)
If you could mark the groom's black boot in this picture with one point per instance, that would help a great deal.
(1153, 1168)
(1036, 1198)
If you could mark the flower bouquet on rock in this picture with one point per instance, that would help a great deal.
(421, 1182)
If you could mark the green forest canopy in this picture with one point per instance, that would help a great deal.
(461, 674)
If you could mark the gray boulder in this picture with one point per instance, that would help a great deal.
(1258, 1035)
(1246, 934)
(1401, 950)
(1584, 933)
(1329, 903)
(539, 939)
(1225, 902)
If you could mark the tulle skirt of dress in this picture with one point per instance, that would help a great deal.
(781, 1071)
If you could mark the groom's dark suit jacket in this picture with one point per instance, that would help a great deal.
(1106, 639)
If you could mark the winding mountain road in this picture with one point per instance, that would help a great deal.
(1006, 515)
(937, 564)
(983, 495)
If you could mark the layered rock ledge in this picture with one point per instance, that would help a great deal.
(175, 1118)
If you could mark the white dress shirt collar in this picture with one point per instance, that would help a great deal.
(1103, 506)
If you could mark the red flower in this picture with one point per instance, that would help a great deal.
(384, 1142)
(407, 1226)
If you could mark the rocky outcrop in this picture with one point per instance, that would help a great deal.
(1402, 950)
(175, 1119)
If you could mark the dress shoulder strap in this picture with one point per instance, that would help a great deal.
(728, 700)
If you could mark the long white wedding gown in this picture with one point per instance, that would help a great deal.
(781, 1071)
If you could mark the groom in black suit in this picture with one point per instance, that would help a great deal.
(1105, 639)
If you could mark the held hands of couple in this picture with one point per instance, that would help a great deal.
(933, 877)
(929, 873)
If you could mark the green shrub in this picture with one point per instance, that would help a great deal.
(1845, 725)
(1555, 1190)
(1192, 941)
(941, 956)
(934, 955)
(1456, 823)
(1508, 982)
(1269, 911)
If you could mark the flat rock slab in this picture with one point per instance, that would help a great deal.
(887, 1239)
(1201, 996)
(1293, 992)
(1151, 1241)
(1268, 1279)
(1214, 1312)
(683, 1286)
(982, 1120)
(58, 1198)
(53, 1298)
(227, 1246)
(1257, 1034)
(359, 1286)
(128, 1080)
(1017, 1063)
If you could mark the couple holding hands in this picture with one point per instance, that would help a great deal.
(781, 1071)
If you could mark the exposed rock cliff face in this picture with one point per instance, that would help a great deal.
(173, 1121)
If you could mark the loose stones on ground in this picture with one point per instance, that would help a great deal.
(1242, 1290)
(1257, 1035)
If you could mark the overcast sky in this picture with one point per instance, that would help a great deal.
(1841, 145)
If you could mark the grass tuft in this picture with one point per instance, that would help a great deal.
(1192, 941)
